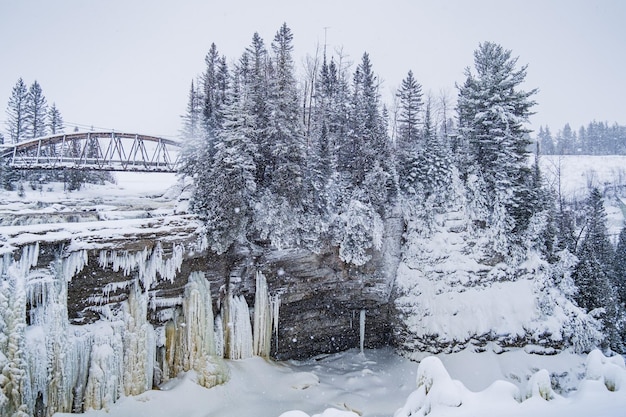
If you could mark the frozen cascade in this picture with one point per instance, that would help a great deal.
(238, 330)
(147, 263)
(106, 368)
(219, 336)
(14, 384)
(74, 263)
(139, 344)
(189, 339)
(262, 318)
(361, 330)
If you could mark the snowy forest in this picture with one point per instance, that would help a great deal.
(323, 238)
(318, 160)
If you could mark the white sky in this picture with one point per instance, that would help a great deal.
(127, 65)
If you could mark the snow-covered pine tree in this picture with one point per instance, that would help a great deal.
(566, 141)
(408, 137)
(619, 267)
(433, 162)
(364, 160)
(16, 112)
(55, 121)
(330, 126)
(36, 111)
(546, 143)
(593, 275)
(192, 119)
(215, 84)
(225, 196)
(202, 119)
(254, 70)
(284, 132)
(492, 113)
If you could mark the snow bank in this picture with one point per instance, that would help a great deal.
(438, 395)
(609, 371)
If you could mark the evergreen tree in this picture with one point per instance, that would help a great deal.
(36, 111)
(16, 112)
(433, 163)
(55, 121)
(593, 273)
(566, 141)
(192, 119)
(201, 123)
(366, 142)
(224, 196)
(410, 108)
(215, 82)
(408, 137)
(619, 267)
(253, 71)
(492, 112)
(546, 143)
(284, 134)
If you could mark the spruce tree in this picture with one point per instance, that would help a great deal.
(492, 113)
(254, 70)
(55, 121)
(433, 172)
(16, 112)
(593, 273)
(409, 137)
(546, 143)
(36, 111)
(284, 134)
(192, 119)
(224, 196)
(619, 267)
(410, 109)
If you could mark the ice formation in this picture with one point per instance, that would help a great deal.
(50, 366)
(147, 263)
(238, 330)
(361, 329)
(190, 341)
(262, 317)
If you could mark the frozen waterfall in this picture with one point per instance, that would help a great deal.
(50, 365)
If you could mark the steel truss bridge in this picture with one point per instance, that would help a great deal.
(99, 151)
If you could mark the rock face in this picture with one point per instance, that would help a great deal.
(321, 297)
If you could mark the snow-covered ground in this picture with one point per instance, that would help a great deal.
(379, 383)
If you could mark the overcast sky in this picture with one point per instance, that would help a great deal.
(127, 64)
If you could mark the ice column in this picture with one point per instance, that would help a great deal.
(262, 317)
(190, 340)
(361, 330)
(139, 344)
(238, 330)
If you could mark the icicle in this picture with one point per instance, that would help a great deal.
(190, 341)
(238, 331)
(275, 314)
(105, 381)
(362, 330)
(75, 263)
(148, 264)
(262, 318)
(219, 336)
(29, 258)
(139, 345)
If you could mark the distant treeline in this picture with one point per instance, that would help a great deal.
(598, 138)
